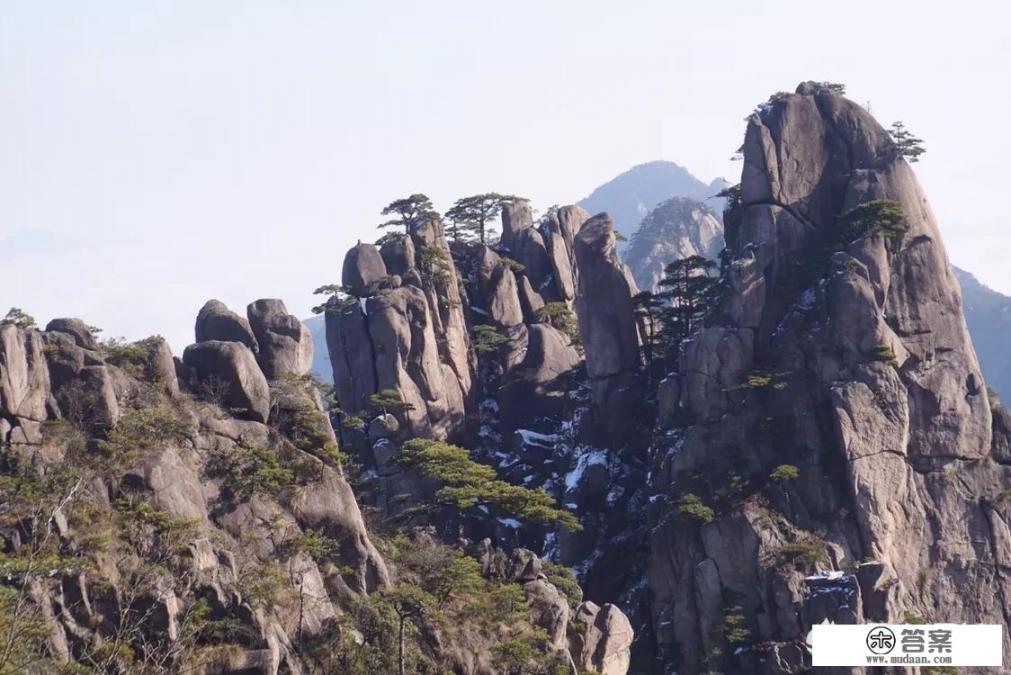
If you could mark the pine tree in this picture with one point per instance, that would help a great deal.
(688, 291)
(409, 213)
(909, 146)
(470, 215)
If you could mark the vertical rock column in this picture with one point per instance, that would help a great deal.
(607, 327)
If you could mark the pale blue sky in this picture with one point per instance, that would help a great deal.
(156, 154)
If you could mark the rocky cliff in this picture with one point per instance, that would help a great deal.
(823, 448)
(193, 515)
(834, 455)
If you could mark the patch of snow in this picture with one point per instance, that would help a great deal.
(534, 438)
(511, 523)
(585, 460)
(478, 310)
(361, 301)
(831, 575)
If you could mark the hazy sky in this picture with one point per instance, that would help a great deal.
(157, 154)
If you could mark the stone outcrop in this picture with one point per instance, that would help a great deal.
(180, 464)
(406, 332)
(216, 322)
(363, 269)
(607, 645)
(227, 371)
(843, 355)
(677, 228)
(607, 327)
(285, 345)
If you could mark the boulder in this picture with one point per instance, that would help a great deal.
(229, 370)
(216, 322)
(524, 566)
(566, 222)
(549, 609)
(285, 343)
(498, 290)
(515, 218)
(607, 645)
(398, 255)
(363, 269)
(77, 330)
(529, 250)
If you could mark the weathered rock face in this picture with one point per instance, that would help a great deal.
(216, 322)
(531, 389)
(565, 222)
(607, 326)
(516, 217)
(24, 376)
(178, 465)
(363, 268)
(285, 343)
(607, 646)
(677, 228)
(229, 370)
(409, 336)
(498, 289)
(843, 356)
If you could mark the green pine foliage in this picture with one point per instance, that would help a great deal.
(486, 339)
(908, 145)
(470, 217)
(467, 484)
(877, 217)
(688, 290)
(785, 473)
(691, 507)
(560, 316)
(388, 401)
(18, 318)
(409, 213)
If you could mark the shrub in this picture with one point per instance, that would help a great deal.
(885, 354)
(17, 317)
(513, 265)
(388, 401)
(691, 507)
(878, 217)
(784, 473)
(486, 339)
(565, 580)
(734, 626)
(246, 469)
(139, 431)
(468, 484)
(805, 554)
(558, 315)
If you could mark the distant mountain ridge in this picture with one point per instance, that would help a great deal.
(988, 314)
(645, 186)
(631, 195)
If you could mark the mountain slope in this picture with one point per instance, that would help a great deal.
(677, 228)
(628, 197)
(988, 314)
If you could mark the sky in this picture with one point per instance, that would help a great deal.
(157, 154)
